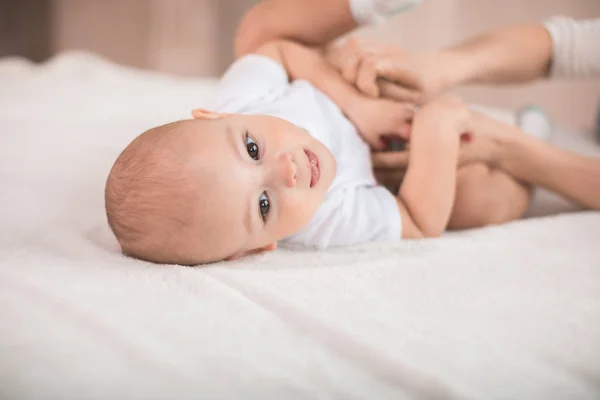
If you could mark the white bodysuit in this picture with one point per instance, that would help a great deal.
(356, 209)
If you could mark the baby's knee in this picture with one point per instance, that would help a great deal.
(500, 206)
(485, 210)
(495, 210)
(478, 204)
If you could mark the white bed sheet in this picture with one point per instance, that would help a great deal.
(509, 312)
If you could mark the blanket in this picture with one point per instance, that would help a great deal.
(505, 312)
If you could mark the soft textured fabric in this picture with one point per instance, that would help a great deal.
(575, 47)
(356, 210)
(508, 312)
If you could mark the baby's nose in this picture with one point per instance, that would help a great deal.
(287, 169)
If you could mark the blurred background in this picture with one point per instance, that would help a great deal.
(194, 37)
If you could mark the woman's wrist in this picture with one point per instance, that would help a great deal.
(457, 68)
(510, 151)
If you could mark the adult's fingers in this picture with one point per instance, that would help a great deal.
(366, 80)
(352, 54)
(390, 159)
(398, 81)
(395, 91)
(350, 58)
(399, 72)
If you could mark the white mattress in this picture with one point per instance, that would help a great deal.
(508, 312)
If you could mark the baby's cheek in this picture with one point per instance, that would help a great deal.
(297, 210)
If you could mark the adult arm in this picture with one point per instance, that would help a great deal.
(536, 162)
(516, 54)
(526, 158)
(311, 22)
(512, 54)
(506, 55)
(561, 47)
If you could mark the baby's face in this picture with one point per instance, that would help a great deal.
(260, 179)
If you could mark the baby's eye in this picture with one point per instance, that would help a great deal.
(251, 147)
(263, 205)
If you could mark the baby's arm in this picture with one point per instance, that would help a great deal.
(372, 117)
(427, 193)
(426, 197)
(301, 62)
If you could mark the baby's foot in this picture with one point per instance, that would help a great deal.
(535, 122)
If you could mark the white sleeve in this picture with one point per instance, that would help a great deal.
(575, 47)
(248, 79)
(355, 215)
(366, 12)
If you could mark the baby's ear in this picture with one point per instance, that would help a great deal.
(269, 247)
(201, 113)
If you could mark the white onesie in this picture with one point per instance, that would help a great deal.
(356, 209)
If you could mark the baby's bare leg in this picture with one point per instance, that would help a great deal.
(486, 196)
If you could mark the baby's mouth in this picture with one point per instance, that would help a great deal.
(313, 166)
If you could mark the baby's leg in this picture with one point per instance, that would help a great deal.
(486, 196)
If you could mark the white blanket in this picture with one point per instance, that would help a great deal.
(508, 312)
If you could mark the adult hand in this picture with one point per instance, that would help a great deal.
(347, 56)
(390, 166)
(384, 70)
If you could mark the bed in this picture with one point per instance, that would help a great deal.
(506, 312)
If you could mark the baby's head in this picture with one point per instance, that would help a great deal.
(215, 187)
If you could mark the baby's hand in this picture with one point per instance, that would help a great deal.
(448, 114)
(377, 119)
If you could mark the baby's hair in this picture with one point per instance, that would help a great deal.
(148, 195)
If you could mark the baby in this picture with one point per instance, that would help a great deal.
(284, 156)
